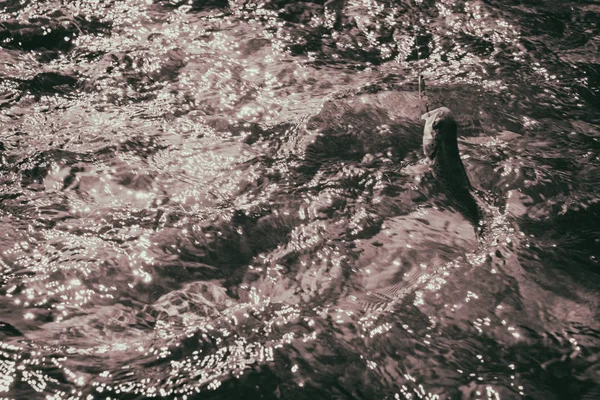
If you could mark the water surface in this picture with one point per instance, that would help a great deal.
(228, 199)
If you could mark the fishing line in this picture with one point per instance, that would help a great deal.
(420, 77)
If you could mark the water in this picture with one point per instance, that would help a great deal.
(228, 199)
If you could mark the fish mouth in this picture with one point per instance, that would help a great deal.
(436, 115)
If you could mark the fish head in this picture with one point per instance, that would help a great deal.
(440, 128)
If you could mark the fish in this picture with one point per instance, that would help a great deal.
(440, 146)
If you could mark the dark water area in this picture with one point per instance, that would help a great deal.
(230, 200)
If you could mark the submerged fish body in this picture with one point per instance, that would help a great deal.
(441, 148)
